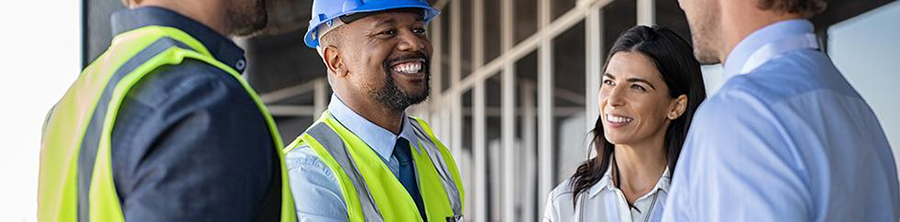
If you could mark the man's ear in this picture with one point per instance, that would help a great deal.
(678, 108)
(333, 61)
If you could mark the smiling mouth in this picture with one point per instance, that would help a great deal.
(409, 67)
(618, 120)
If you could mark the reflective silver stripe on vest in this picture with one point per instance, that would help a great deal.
(437, 158)
(332, 143)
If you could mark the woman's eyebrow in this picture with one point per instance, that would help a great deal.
(641, 80)
(609, 75)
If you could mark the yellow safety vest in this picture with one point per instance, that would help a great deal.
(371, 192)
(82, 123)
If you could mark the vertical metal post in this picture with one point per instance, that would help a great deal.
(446, 124)
(594, 42)
(529, 125)
(455, 73)
(646, 12)
(508, 118)
(455, 99)
(320, 95)
(479, 151)
(545, 107)
(437, 71)
(477, 34)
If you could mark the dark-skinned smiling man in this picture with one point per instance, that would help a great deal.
(365, 159)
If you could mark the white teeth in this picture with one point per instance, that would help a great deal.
(618, 119)
(408, 67)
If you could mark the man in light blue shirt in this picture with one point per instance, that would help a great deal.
(786, 138)
(365, 159)
(316, 190)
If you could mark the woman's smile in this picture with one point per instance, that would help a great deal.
(617, 121)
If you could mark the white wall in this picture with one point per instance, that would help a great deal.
(865, 49)
(40, 58)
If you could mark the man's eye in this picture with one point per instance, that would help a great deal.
(419, 30)
(389, 32)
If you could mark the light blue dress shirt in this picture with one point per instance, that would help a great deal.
(317, 193)
(785, 139)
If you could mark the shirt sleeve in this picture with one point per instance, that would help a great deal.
(191, 145)
(737, 165)
(317, 193)
(551, 212)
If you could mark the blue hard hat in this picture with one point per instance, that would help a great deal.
(326, 10)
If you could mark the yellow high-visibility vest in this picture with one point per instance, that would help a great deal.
(371, 192)
(83, 121)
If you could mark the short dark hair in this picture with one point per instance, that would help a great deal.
(331, 38)
(805, 8)
(674, 59)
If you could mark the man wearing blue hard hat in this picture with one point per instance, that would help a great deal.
(365, 159)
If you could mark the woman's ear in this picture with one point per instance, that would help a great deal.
(677, 107)
(333, 61)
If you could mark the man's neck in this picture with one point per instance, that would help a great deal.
(742, 18)
(208, 13)
(375, 112)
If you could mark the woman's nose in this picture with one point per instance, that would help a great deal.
(616, 97)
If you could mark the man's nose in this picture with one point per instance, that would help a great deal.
(409, 41)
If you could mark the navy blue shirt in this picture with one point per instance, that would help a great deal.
(189, 143)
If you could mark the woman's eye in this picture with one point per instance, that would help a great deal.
(608, 82)
(639, 87)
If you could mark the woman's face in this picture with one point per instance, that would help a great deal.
(635, 106)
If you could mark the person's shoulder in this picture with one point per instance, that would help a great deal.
(188, 78)
(789, 75)
(562, 194)
(730, 101)
(303, 156)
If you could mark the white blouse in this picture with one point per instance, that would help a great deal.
(603, 202)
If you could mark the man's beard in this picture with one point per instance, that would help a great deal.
(705, 35)
(246, 17)
(394, 98)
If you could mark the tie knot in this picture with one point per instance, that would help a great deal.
(401, 150)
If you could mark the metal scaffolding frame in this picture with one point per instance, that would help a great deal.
(504, 65)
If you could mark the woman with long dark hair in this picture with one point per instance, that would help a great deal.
(651, 86)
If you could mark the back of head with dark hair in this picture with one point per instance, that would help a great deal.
(674, 59)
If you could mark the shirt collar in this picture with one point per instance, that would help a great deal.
(379, 139)
(221, 47)
(606, 183)
(756, 40)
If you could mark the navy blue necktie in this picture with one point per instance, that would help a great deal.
(407, 173)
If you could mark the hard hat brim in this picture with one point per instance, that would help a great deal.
(312, 40)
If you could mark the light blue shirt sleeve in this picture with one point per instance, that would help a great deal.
(317, 193)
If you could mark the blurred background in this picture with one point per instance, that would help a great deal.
(514, 82)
